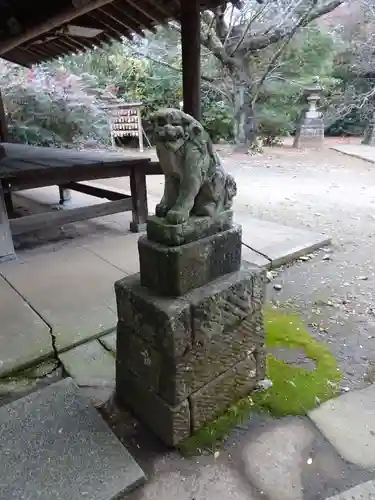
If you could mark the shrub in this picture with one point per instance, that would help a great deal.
(51, 108)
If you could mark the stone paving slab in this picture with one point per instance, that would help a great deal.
(72, 290)
(54, 444)
(120, 250)
(90, 365)
(361, 151)
(24, 337)
(273, 460)
(281, 244)
(109, 341)
(255, 258)
(210, 482)
(364, 491)
(348, 422)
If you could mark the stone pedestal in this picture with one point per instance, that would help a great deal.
(190, 332)
(369, 134)
(310, 129)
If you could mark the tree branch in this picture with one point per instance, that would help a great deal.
(252, 44)
(220, 24)
(280, 50)
(214, 44)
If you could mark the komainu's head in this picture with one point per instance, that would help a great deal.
(172, 125)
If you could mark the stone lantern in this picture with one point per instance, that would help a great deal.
(310, 130)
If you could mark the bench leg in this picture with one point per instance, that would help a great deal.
(6, 241)
(65, 195)
(139, 201)
(7, 193)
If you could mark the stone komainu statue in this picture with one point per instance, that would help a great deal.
(195, 181)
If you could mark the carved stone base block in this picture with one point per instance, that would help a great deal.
(310, 133)
(181, 361)
(173, 271)
(369, 134)
(194, 229)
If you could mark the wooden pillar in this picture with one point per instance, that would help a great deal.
(191, 57)
(4, 137)
(6, 241)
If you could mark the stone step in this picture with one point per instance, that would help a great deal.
(54, 444)
(363, 491)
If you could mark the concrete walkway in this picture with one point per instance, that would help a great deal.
(60, 295)
(361, 151)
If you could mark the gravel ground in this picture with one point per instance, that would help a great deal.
(334, 291)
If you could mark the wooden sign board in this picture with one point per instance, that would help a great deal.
(126, 121)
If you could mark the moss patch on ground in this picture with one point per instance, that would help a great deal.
(294, 390)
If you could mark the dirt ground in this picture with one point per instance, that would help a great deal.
(334, 291)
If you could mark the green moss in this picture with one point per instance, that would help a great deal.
(294, 390)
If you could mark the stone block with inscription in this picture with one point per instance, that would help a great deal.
(190, 336)
(310, 129)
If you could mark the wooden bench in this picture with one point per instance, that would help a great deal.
(25, 167)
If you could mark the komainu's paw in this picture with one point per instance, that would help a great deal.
(177, 217)
(161, 210)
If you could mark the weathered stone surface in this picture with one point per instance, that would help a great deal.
(24, 337)
(109, 341)
(170, 423)
(364, 491)
(195, 181)
(222, 304)
(310, 133)
(90, 364)
(217, 395)
(216, 481)
(193, 229)
(162, 322)
(226, 329)
(139, 356)
(55, 445)
(174, 379)
(369, 134)
(174, 271)
(348, 422)
(203, 364)
(295, 357)
(170, 348)
(273, 460)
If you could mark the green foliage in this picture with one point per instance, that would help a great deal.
(61, 103)
(217, 118)
(281, 101)
(294, 391)
(350, 125)
(50, 108)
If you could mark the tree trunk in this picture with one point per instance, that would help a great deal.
(245, 132)
(239, 115)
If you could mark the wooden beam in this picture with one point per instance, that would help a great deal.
(50, 24)
(149, 13)
(125, 20)
(36, 222)
(95, 191)
(191, 57)
(134, 14)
